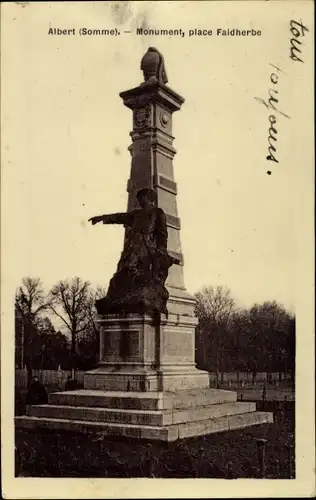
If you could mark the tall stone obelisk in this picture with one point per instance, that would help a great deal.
(137, 353)
(153, 104)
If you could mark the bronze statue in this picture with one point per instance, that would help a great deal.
(139, 283)
(153, 66)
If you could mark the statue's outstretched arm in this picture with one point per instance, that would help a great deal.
(120, 218)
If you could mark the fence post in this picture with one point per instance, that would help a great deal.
(261, 448)
(264, 394)
(25, 377)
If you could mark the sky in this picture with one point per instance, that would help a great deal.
(67, 134)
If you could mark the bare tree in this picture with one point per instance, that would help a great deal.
(70, 302)
(30, 298)
(91, 310)
(214, 305)
(89, 339)
(30, 302)
(214, 308)
(271, 330)
(261, 337)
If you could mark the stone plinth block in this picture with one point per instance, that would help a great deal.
(140, 353)
(143, 400)
(142, 417)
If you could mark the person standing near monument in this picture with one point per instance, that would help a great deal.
(138, 284)
(36, 394)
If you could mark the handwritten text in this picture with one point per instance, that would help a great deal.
(297, 30)
(272, 104)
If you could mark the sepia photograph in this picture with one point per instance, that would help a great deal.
(157, 247)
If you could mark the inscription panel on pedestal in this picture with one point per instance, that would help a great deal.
(164, 166)
(178, 345)
(173, 221)
(121, 345)
(169, 184)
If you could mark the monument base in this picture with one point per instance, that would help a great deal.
(146, 386)
(139, 353)
(144, 415)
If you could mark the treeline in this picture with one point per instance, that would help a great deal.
(38, 343)
(230, 339)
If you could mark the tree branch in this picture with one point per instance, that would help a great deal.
(60, 316)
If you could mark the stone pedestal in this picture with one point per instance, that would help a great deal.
(140, 353)
(146, 387)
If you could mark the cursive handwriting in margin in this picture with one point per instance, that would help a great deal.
(297, 30)
(272, 104)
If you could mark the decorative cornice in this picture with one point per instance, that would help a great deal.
(152, 92)
(157, 144)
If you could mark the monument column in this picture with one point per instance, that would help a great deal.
(153, 104)
(144, 352)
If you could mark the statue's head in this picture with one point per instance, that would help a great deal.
(153, 67)
(146, 197)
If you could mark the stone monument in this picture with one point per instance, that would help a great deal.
(146, 384)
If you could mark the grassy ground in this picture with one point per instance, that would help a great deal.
(225, 455)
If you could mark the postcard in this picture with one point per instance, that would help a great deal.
(157, 249)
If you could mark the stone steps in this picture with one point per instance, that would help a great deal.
(164, 416)
(221, 424)
(143, 400)
(151, 432)
(141, 417)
